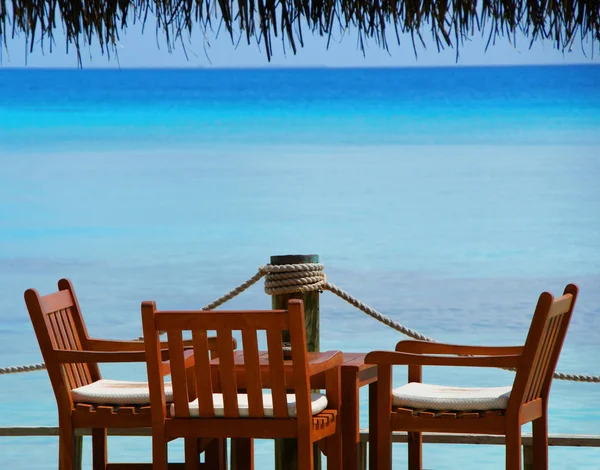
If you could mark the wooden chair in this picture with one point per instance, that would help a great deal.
(417, 407)
(84, 399)
(289, 411)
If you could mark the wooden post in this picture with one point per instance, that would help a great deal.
(286, 450)
(310, 299)
(362, 456)
(77, 453)
(527, 457)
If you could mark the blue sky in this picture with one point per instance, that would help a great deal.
(145, 50)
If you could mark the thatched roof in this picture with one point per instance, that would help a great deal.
(448, 22)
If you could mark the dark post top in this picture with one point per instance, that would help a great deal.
(294, 259)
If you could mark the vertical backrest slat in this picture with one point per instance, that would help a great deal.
(59, 343)
(553, 335)
(543, 358)
(277, 373)
(252, 369)
(77, 341)
(535, 372)
(63, 341)
(300, 359)
(178, 375)
(204, 387)
(71, 343)
(52, 330)
(227, 373)
(563, 326)
(92, 369)
(535, 367)
(70, 340)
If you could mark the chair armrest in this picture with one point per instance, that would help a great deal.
(115, 346)
(107, 345)
(96, 344)
(325, 361)
(409, 359)
(420, 347)
(66, 356)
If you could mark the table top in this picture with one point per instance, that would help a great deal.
(356, 360)
(353, 363)
(350, 359)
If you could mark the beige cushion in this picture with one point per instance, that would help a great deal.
(117, 392)
(319, 403)
(440, 397)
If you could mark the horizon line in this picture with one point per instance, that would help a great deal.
(296, 67)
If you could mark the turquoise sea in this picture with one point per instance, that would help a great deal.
(447, 198)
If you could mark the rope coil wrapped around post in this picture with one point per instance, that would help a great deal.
(291, 278)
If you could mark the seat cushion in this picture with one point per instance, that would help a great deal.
(117, 392)
(440, 397)
(319, 403)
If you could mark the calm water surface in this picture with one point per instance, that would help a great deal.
(446, 198)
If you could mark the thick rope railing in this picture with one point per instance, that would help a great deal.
(293, 278)
(27, 368)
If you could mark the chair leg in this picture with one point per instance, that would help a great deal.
(381, 443)
(415, 451)
(159, 453)
(192, 453)
(305, 453)
(372, 444)
(99, 448)
(382, 440)
(334, 450)
(242, 454)
(513, 448)
(540, 442)
(66, 446)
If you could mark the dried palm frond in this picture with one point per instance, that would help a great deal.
(449, 22)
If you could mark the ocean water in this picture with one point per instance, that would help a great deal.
(446, 198)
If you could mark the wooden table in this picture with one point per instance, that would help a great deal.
(354, 374)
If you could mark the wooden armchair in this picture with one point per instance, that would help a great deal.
(417, 407)
(289, 411)
(84, 398)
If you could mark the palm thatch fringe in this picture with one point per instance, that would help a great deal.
(449, 22)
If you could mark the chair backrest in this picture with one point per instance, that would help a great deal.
(256, 376)
(58, 324)
(542, 347)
